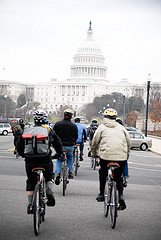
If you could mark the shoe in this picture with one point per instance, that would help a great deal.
(125, 183)
(122, 203)
(58, 179)
(100, 198)
(81, 159)
(89, 154)
(29, 209)
(71, 175)
(51, 200)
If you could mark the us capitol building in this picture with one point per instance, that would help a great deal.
(88, 79)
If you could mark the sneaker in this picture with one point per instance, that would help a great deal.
(122, 203)
(81, 159)
(51, 200)
(29, 209)
(58, 179)
(100, 198)
(89, 154)
(71, 175)
(124, 183)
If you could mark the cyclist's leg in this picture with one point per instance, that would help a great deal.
(30, 185)
(58, 168)
(70, 150)
(119, 183)
(81, 147)
(103, 171)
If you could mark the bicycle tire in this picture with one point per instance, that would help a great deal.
(76, 163)
(107, 197)
(92, 162)
(43, 197)
(64, 178)
(113, 205)
(36, 210)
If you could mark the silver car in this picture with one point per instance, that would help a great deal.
(5, 128)
(139, 140)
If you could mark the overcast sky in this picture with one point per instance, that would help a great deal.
(39, 38)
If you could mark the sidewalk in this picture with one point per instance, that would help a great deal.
(156, 144)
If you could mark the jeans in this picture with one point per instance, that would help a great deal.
(126, 172)
(69, 154)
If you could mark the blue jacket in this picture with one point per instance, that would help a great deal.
(82, 133)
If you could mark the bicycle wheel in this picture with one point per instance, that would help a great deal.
(107, 196)
(113, 205)
(42, 200)
(36, 210)
(76, 163)
(92, 162)
(64, 177)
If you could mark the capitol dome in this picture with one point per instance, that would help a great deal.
(88, 60)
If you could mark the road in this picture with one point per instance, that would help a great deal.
(78, 215)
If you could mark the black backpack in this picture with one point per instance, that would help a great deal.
(36, 142)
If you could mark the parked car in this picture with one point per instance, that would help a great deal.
(5, 128)
(139, 140)
(129, 129)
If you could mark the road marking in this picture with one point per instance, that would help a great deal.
(146, 169)
(148, 165)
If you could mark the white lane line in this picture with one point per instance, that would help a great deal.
(146, 169)
(148, 165)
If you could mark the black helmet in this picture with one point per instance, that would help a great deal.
(20, 120)
(94, 120)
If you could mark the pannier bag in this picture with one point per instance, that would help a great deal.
(36, 142)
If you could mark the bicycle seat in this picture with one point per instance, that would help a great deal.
(38, 169)
(113, 164)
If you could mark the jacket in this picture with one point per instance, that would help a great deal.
(82, 133)
(111, 141)
(67, 131)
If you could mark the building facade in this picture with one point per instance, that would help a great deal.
(87, 80)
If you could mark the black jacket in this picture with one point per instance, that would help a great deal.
(67, 131)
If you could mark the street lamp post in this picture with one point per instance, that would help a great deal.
(147, 105)
(114, 101)
(123, 108)
(5, 106)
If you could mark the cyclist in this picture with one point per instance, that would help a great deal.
(92, 128)
(17, 131)
(82, 135)
(111, 142)
(68, 133)
(45, 162)
(126, 171)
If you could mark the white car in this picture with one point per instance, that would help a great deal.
(139, 140)
(5, 128)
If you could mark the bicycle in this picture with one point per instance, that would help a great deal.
(39, 199)
(76, 159)
(111, 201)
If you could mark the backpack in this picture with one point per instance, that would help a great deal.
(92, 131)
(36, 142)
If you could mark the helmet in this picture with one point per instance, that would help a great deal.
(119, 120)
(110, 113)
(40, 116)
(77, 119)
(68, 112)
(94, 121)
(20, 120)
